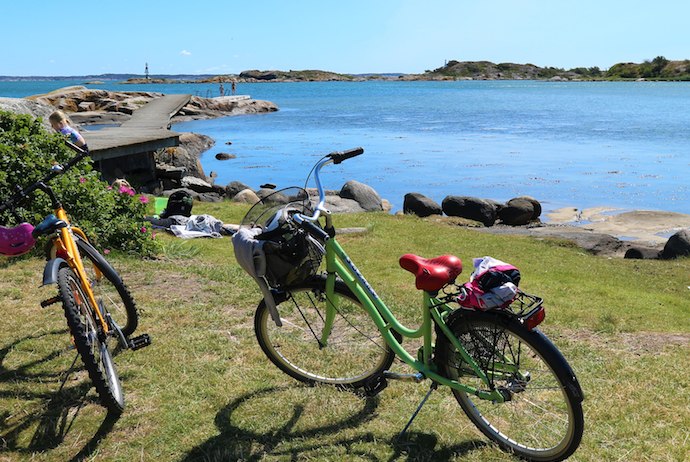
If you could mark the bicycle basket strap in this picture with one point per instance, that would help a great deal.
(16, 241)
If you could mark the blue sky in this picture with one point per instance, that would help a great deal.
(351, 36)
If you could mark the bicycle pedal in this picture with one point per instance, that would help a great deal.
(137, 343)
(375, 385)
(50, 301)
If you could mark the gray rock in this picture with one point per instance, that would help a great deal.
(196, 184)
(471, 208)
(170, 172)
(337, 204)
(276, 196)
(677, 245)
(642, 253)
(234, 187)
(25, 106)
(420, 205)
(516, 212)
(225, 156)
(363, 194)
(246, 196)
(210, 197)
(187, 154)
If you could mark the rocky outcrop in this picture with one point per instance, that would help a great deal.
(208, 108)
(89, 106)
(24, 106)
(186, 155)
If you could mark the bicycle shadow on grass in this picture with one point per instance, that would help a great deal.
(300, 430)
(48, 412)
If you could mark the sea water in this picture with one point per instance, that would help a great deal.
(568, 144)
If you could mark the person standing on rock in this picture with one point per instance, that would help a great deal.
(222, 89)
(58, 120)
(233, 87)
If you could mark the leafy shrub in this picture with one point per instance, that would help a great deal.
(112, 219)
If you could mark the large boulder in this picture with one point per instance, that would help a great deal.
(420, 205)
(234, 187)
(187, 154)
(364, 194)
(246, 196)
(196, 184)
(337, 204)
(24, 106)
(677, 245)
(471, 208)
(518, 211)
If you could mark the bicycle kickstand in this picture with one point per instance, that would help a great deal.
(433, 387)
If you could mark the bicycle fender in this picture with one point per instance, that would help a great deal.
(50, 272)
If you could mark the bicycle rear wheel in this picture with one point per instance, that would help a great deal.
(90, 341)
(355, 351)
(541, 419)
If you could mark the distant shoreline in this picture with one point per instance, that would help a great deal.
(658, 69)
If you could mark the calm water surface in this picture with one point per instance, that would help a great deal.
(580, 144)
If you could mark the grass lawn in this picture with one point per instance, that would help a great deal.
(203, 391)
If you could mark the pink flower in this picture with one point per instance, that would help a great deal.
(126, 190)
(143, 199)
(143, 229)
(106, 251)
(110, 188)
(82, 180)
(153, 235)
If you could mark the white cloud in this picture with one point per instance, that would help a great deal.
(186, 53)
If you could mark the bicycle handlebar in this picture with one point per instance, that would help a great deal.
(41, 184)
(335, 158)
(338, 157)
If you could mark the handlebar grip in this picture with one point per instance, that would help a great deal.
(338, 157)
(315, 231)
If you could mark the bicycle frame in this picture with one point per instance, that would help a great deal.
(66, 248)
(339, 264)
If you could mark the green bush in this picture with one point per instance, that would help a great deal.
(113, 219)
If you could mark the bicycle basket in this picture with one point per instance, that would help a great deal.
(292, 255)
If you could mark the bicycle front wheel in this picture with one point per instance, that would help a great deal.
(541, 419)
(90, 341)
(108, 288)
(354, 351)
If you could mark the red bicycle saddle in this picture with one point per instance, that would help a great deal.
(432, 273)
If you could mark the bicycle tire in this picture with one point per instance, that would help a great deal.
(542, 420)
(355, 352)
(90, 341)
(109, 289)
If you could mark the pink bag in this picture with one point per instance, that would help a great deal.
(492, 284)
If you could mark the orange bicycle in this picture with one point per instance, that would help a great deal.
(100, 311)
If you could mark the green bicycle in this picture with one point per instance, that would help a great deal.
(332, 328)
